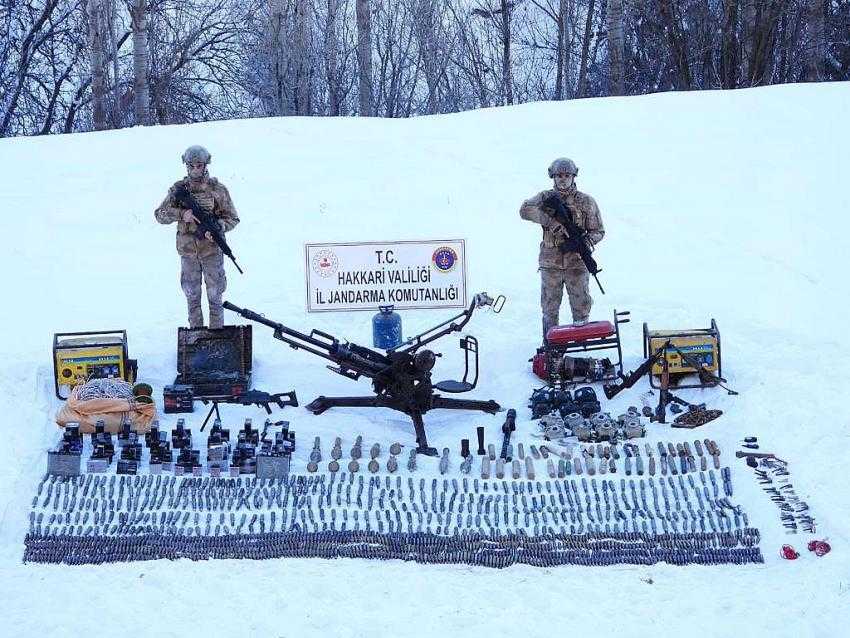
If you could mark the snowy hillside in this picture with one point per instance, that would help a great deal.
(731, 205)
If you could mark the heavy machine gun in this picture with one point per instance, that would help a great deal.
(401, 378)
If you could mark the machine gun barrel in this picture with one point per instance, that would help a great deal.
(613, 389)
(360, 360)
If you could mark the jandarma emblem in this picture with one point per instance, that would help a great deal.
(325, 263)
(444, 258)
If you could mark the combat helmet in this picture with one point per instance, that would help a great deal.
(196, 153)
(563, 165)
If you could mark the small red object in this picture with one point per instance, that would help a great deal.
(562, 335)
(539, 366)
(789, 553)
(819, 547)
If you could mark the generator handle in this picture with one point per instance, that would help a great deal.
(87, 333)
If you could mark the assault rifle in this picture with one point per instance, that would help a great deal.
(401, 378)
(706, 376)
(252, 397)
(579, 236)
(207, 223)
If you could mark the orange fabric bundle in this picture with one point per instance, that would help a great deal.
(111, 411)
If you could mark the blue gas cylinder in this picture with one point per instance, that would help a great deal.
(386, 328)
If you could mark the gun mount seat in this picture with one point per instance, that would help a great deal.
(455, 387)
(468, 344)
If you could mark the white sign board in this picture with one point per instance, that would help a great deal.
(404, 274)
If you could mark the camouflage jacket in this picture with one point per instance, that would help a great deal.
(585, 214)
(213, 197)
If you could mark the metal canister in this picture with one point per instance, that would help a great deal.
(386, 328)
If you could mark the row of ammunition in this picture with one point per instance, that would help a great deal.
(497, 551)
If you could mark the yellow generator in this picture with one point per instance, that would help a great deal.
(701, 347)
(80, 356)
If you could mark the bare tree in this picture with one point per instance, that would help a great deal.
(470, 59)
(616, 46)
(68, 65)
(195, 62)
(302, 57)
(730, 59)
(762, 40)
(364, 55)
(332, 47)
(507, 81)
(562, 17)
(110, 11)
(814, 55)
(581, 84)
(564, 50)
(397, 73)
(676, 40)
(25, 38)
(141, 58)
(425, 17)
(278, 71)
(95, 12)
(501, 18)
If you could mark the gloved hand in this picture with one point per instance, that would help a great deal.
(551, 201)
(557, 229)
(182, 196)
(570, 245)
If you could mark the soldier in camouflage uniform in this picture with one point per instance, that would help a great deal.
(564, 268)
(200, 258)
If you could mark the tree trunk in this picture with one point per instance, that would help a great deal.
(616, 46)
(507, 80)
(115, 112)
(94, 10)
(364, 56)
(302, 52)
(707, 30)
(815, 45)
(730, 58)
(141, 58)
(749, 19)
(760, 67)
(428, 51)
(676, 42)
(564, 47)
(331, 63)
(581, 85)
(279, 99)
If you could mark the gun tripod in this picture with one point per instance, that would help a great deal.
(414, 411)
(401, 377)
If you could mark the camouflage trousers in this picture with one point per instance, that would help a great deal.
(210, 268)
(552, 284)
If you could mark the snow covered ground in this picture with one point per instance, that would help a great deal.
(730, 205)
